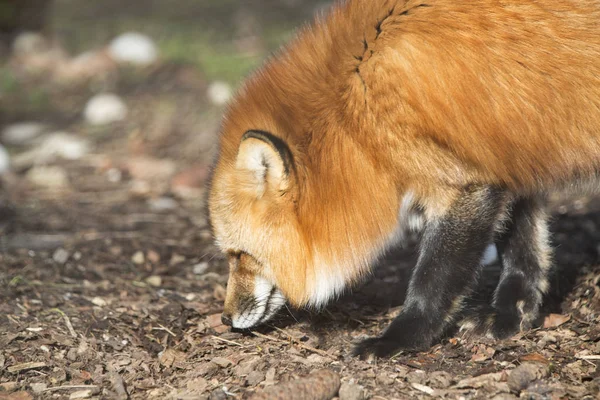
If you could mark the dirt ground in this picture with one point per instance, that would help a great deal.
(110, 286)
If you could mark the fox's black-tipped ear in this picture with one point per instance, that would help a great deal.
(269, 160)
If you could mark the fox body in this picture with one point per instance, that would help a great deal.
(460, 114)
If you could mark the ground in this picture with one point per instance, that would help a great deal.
(111, 287)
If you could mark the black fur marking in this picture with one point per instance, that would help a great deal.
(521, 248)
(277, 144)
(450, 255)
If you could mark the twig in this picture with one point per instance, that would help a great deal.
(67, 321)
(163, 328)
(589, 357)
(227, 341)
(299, 343)
(68, 387)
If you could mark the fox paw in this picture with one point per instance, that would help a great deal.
(495, 324)
(383, 347)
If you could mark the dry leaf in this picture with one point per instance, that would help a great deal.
(534, 357)
(554, 320)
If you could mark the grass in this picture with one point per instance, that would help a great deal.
(194, 32)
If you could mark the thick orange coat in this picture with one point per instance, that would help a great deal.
(382, 98)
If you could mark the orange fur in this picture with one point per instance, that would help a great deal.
(388, 97)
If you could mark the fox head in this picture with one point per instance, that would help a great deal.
(292, 232)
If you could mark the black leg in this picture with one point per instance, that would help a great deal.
(450, 255)
(526, 260)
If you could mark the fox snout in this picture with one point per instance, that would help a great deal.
(250, 301)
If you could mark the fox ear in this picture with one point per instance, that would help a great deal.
(269, 160)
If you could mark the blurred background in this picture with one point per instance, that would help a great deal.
(129, 78)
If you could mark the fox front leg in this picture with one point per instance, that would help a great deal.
(449, 259)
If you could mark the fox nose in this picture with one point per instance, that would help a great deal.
(226, 319)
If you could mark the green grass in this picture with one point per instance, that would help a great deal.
(193, 32)
(218, 61)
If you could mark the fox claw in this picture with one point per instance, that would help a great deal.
(380, 347)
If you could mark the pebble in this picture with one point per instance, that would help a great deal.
(133, 48)
(200, 268)
(351, 391)
(154, 280)
(162, 204)
(219, 93)
(21, 133)
(48, 177)
(4, 160)
(104, 109)
(138, 258)
(57, 145)
(99, 301)
(64, 145)
(60, 256)
(29, 43)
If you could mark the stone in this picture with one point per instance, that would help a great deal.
(21, 133)
(105, 108)
(29, 43)
(219, 93)
(4, 160)
(154, 280)
(48, 177)
(200, 268)
(133, 48)
(61, 256)
(138, 258)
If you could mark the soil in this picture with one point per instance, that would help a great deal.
(111, 287)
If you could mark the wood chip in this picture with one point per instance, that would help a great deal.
(26, 366)
(422, 388)
(320, 385)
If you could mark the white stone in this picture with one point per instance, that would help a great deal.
(162, 204)
(219, 93)
(48, 177)
(21, 133)
(29, 43)
(104, 109)
(61, 256)
(4, 160)
(64, 145)
(200, 268)
(133, 48)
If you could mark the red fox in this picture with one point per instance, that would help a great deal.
(462, 113)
